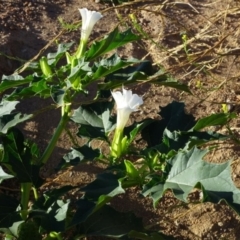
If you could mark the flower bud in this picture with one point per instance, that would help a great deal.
(45, 67)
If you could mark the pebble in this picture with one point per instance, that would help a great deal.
(220, 224)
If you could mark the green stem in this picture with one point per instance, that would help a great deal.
(25, 193)
(35, 193)
(65, 117)
(116, 146)
(81, 49)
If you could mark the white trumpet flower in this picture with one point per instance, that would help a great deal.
(127, 102)
(89, 19)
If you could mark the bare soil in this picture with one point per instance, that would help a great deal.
(208, 62)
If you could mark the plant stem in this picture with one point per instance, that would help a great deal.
(65, 117)
(25, 192)
(116, 146)
(35, 193)
(81, 49)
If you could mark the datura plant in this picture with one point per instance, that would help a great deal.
(169, 159)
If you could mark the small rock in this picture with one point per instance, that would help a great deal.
(220, 224)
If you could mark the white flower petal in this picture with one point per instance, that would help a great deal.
(126, 104)
(83, 12)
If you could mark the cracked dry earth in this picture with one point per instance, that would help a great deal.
(211, 70)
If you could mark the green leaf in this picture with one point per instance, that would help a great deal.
(214, 120)
(113, 41)
(131, 170)
(80, 70)
(18, 156)
(106, 184)
(127, 75)
(8, 119)
(11, 120)
(8, 211)
(132, 130)
(189, 170)
(79, 155)
(4, 175)
(94, 118)
(110, 65)
(91, 133)
(39, 88)
(108, 222)
(53, 58)
(15, 80)
(14, 228)
(7, 107)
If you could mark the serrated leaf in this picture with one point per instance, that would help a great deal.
(39, 88)
(80, 70)
(113, 41)
(10, 120)
(96, 117)
(110, 65)
(14, 81)
(15, 227)
(127, 75)
(53, 58)
(91, 133)
(189, 170)
(6, 107)
(4, 175)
